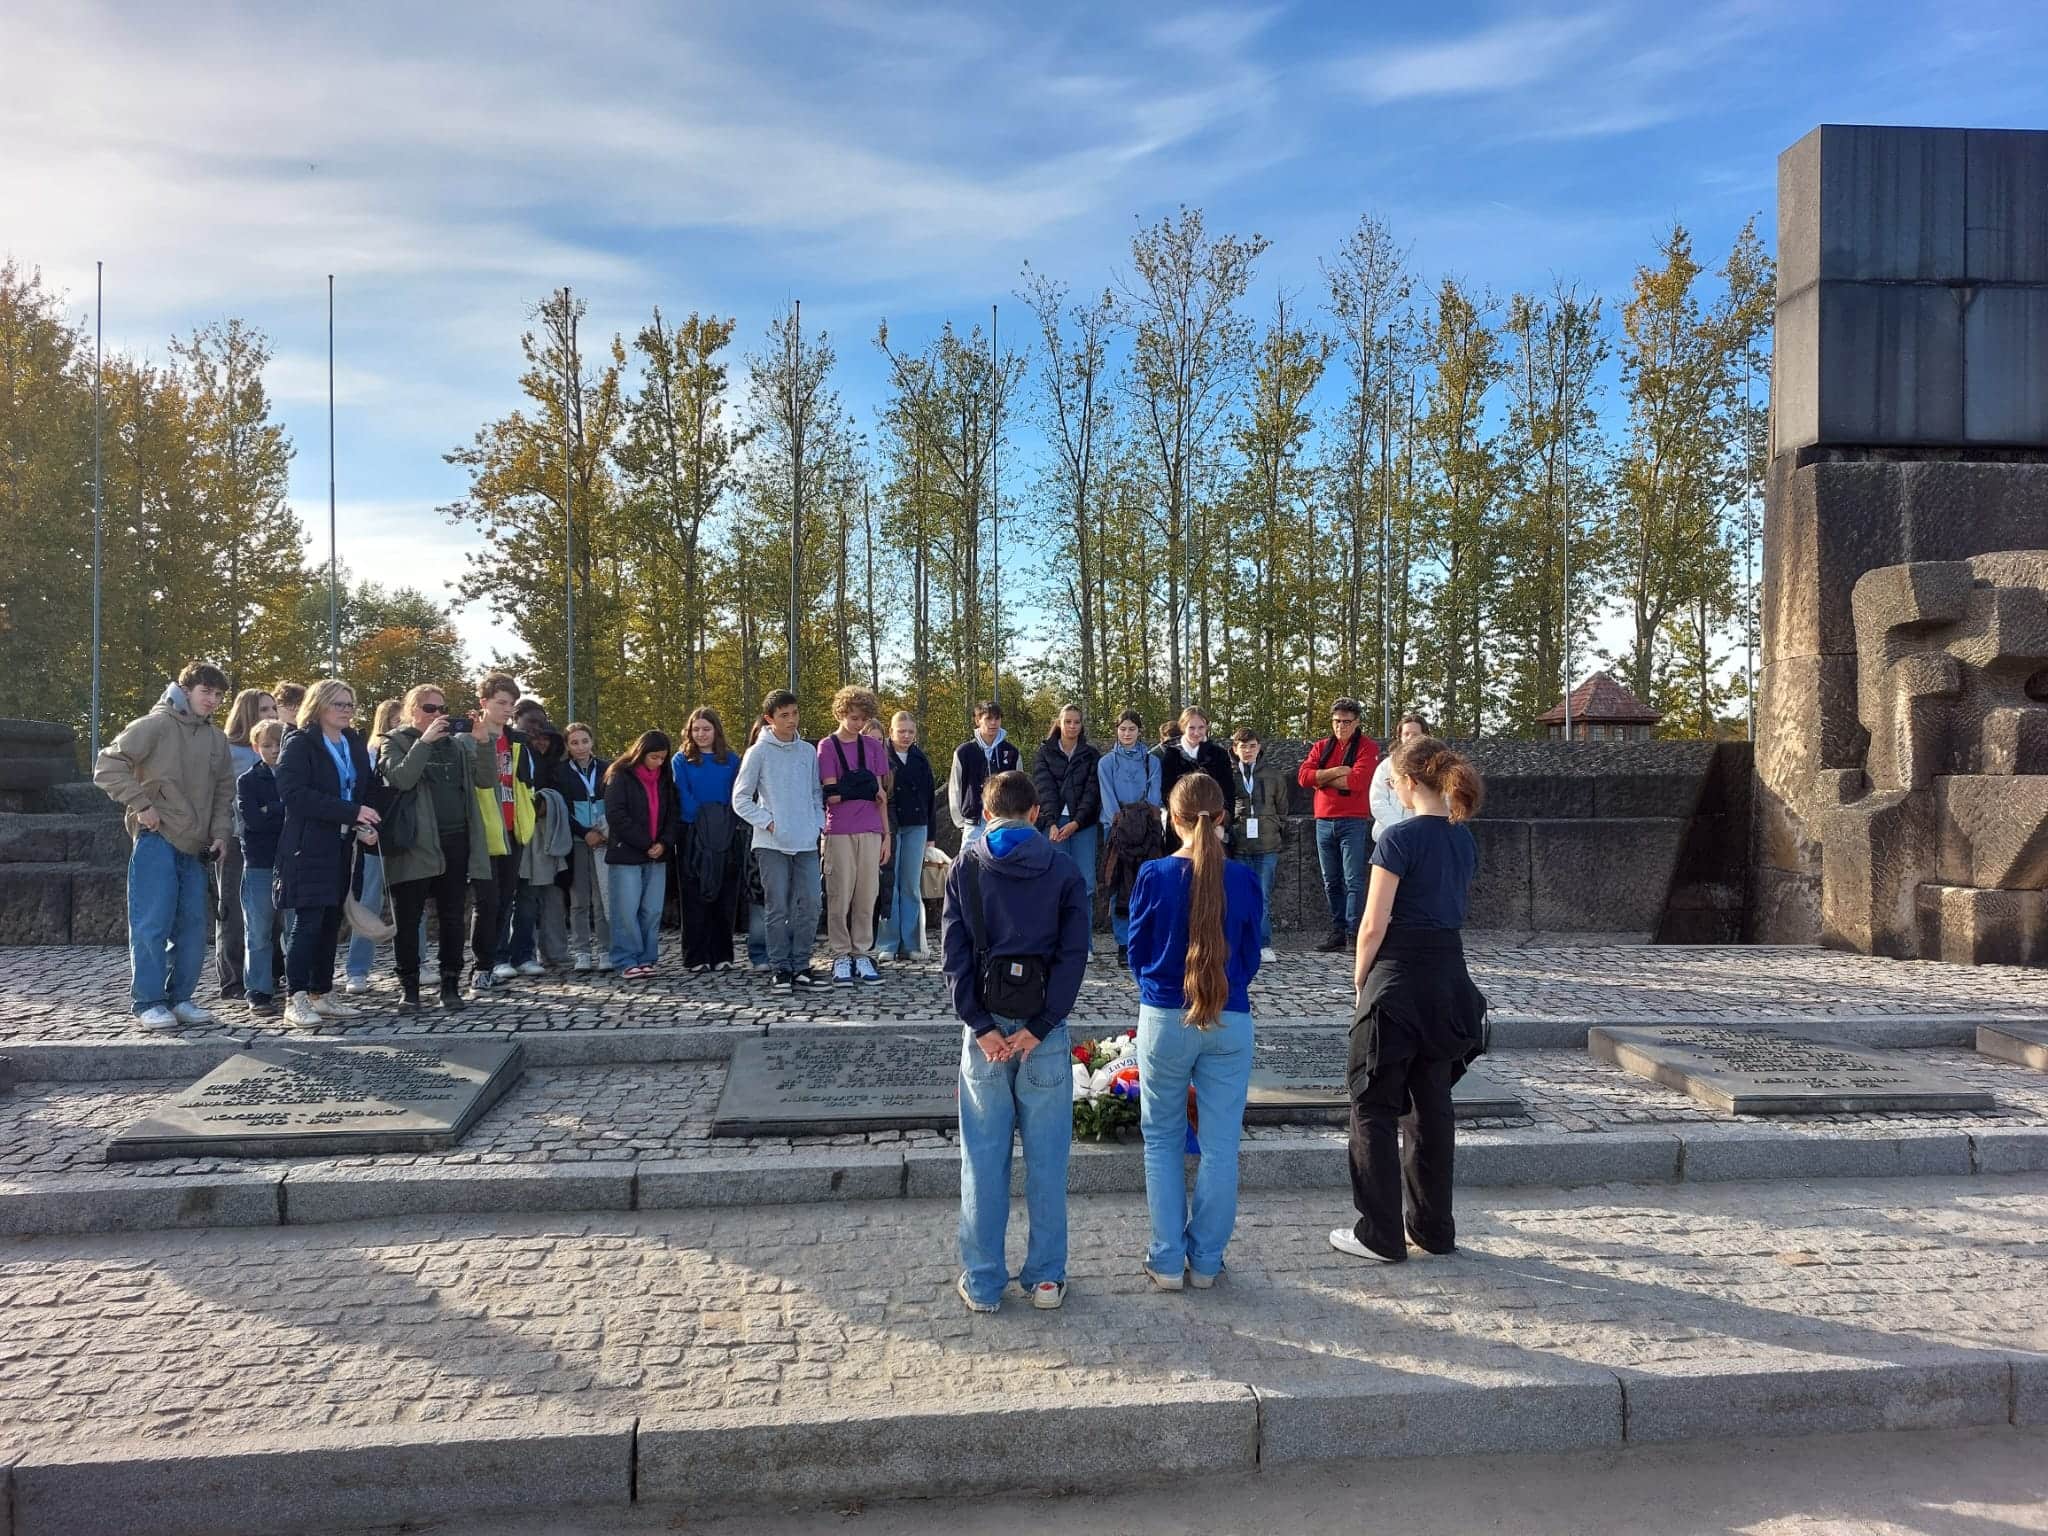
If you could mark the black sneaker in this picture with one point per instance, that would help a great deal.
(1123, 957)
(451, 994)
(1333, 942)
(783, 981)
(807, 978)
(408, 994)
(263, 1004)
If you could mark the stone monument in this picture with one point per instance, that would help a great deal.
(1903, 697)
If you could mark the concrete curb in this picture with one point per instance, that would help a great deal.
(320, 1480)
(717, 1459)
(306, 1193)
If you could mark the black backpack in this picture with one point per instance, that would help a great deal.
(1012, 986)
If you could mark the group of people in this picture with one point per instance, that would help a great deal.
(559, 856)
(1016, 930)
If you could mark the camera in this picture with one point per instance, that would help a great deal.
(208, 856)
(460, 725)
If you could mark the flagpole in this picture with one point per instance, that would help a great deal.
(995, 593)
(99, 322)
(572, 384)
(333, 542)
(796, 485)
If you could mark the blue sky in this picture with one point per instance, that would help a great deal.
(451, 162)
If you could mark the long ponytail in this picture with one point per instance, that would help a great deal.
(1198, 803)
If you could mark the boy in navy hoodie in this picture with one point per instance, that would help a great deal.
(1032, 921)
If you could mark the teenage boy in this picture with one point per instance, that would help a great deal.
(853, 768)
(980, 758)
(1339, 769)
(778, 794)
(1015, 932)
(508, 825)
(175, 780)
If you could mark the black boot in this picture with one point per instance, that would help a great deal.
(1333, 941)
(408, 994)
(451, 993)
(1123, 957)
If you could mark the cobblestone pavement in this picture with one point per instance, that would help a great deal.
(441, 1321)
(81, 993)
(582, 1115)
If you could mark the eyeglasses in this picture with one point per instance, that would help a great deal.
(431, 709)
(347, 704)
(1343, 719)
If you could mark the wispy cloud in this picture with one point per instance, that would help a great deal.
(1497, 59)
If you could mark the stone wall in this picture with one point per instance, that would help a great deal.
(63, 853)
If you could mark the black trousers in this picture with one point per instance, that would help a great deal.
(445, 891)
(1402, 1139)
(708, 925)
(309, 965)
(490, 935)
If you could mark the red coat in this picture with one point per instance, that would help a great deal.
(1334, 804)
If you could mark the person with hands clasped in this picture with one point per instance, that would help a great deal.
(322, 778)
(1015, 934)
(1419, 1020)
(643, 819)
(582, 784)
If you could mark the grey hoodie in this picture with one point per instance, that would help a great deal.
(778, 782)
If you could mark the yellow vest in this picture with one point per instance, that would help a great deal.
(522, 809)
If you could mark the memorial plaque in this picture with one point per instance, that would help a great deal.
(1298, 1072)
(2026, 1044)
(851, 1080)
(1764, 1072)
(294, 1101)
(832, 1082)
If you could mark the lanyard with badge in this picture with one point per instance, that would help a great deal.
(1251, 822)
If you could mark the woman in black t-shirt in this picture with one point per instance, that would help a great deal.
(1419, 1020)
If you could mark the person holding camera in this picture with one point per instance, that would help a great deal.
(322, 778)
(853, 767)
(1015, 936)
(175, 781)
(442, 768)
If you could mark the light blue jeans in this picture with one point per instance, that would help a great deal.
(259, 918)
(1035, 1101)
(903, 930)
(1218, 1061)
(362, 954)
(790, 882)
(169, 914)
(636, 893)
(1080, 848)
(1265, 866)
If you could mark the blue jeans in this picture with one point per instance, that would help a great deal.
(259, 919)
(636, 893)
(1218, 1061)
(1342, 844)
(997, 1100)
(169, 913)
(757, 936)
(1265, 866)
(362, 954)
(1080, 848)
(903, 930)
(790, 882)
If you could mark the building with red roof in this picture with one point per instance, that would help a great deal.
(1601, 710)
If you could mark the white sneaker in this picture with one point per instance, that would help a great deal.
(532, 968)
(502, 973)
(602, 963)
(1344, 1241)
(864, 971)
(300, 1010)
(842, 972)
(191, 1013)
(356, 986)
(1266, 955)
(158, 1017)
(580, 963)
(328, 1006)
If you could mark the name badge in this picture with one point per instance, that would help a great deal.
(1251, 827)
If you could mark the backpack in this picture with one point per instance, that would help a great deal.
(861, 783)
(1013, 986)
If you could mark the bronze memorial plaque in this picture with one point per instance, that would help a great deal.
(295, 1101)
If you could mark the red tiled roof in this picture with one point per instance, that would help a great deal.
(1600, 697)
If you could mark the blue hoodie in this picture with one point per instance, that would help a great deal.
(1127, 776)
(1036, 904)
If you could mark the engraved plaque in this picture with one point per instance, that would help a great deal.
(292, 1101)
(1298, 1073)
(1763, 1072)
(2026, 1044)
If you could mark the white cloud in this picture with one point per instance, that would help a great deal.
(1497, 59)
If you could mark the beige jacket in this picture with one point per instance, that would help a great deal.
(179, 763)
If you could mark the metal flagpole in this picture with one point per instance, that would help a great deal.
(571, 385)
(1566, 446)
(995, 512)
(796, 483)
(1386, 554)
(98, 503)
(1749, 614)
(333, 543)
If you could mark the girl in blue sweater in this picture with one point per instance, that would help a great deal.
(1194, 949)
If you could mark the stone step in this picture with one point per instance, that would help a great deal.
(690, 1362)
(59, 902)
(26, 838)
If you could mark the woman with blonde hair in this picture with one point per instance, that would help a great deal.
(1194, 949)
(252, 706)
(1418, 1021)
(323, 778)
